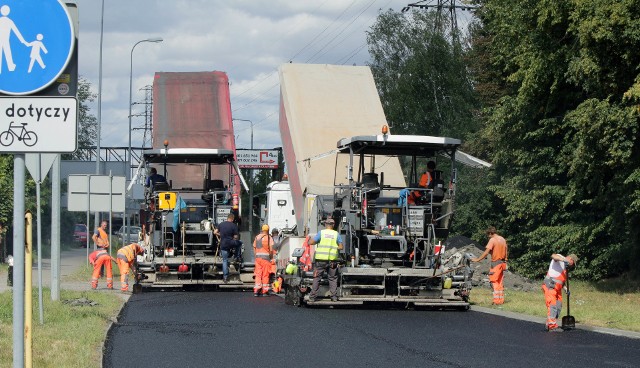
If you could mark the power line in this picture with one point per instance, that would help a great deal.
(303, 48)
(343, 29)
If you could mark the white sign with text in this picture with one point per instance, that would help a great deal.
(38, 124)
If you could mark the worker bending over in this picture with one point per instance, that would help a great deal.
(98, 259)
(497, 246)
(262, 248)
(552, 287)
(326, 257)
(126, 260)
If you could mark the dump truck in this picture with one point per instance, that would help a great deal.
(393, 249)
(194, 152)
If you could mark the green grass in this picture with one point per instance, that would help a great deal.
(72, 336)
(611, 303)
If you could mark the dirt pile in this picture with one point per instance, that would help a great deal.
(80, 302)
(464, 245)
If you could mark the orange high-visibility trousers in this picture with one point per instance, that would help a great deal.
(261, 272)
(496, 277)
(553, 300)
(124, 267)
(103, 259)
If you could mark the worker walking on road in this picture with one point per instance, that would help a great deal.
(326, 257)
(101, 258)
(552, 287)
(262, 248)
(126, 260)
(497, 246)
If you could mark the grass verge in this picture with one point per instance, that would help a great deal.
(72, 336)
(611, 303)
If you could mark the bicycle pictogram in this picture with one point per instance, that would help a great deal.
(28, 137)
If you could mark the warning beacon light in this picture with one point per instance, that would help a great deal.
(385, 129)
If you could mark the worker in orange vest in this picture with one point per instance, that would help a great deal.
(126, 259)
(552, 287)
(98, 259)
(262, 248)
(497, 246)
(426, 181)
(100, 236)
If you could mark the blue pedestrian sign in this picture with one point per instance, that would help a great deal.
(36, 44)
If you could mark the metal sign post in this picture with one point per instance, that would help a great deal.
(37, 41)
(38, 166)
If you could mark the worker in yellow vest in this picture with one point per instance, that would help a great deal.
(326, 257)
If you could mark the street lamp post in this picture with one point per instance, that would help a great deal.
(128, 169)
(250, 184)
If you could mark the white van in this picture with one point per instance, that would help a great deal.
(276, 210)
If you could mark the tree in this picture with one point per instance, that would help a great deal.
(563, 132)
(418, 66)
(87, 123)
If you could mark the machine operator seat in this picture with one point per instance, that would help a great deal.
(214, 190)
(437, 184)
(161, 186)
(371, 185)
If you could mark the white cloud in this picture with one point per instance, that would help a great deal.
(247, 39)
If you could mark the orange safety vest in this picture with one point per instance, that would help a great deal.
(103, 239)
(426, 179)
(93, 257)
(261, 248)
(129, 251)
(306, 258)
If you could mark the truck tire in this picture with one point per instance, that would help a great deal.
(292, 296)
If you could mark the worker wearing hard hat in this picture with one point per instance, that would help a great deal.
(554, 282)
(262, 249)
(497, 246)
(98, 259)
(326, 257)
(126, 260)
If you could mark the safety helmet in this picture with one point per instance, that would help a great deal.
(265, 227)
(291, 269)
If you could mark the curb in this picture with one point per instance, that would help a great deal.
(109, 327)
(541, 320)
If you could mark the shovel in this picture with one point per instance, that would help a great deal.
(568, 322)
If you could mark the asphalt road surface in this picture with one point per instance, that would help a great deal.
(234, 329)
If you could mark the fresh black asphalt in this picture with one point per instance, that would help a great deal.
(234, 329)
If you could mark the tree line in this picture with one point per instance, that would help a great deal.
(549, 93)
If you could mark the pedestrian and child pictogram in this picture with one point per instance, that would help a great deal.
(36, 44)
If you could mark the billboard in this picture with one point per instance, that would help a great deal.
(257, 159)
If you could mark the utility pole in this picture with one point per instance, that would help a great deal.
(440, 6)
